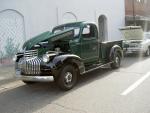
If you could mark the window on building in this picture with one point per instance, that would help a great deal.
(138, 0)
(142, 1)
(145, 1)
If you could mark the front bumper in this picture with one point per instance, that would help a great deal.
(134, 50)
(35, 78)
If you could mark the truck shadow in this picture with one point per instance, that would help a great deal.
(31, 98)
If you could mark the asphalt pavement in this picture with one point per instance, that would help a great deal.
(124, 90)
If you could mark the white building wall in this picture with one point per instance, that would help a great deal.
(43, 15)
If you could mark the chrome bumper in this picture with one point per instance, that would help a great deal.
(35, 78)
(132, 50)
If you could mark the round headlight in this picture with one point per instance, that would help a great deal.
(14, 58)
(46, 58)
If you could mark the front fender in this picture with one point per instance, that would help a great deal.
(61, 60)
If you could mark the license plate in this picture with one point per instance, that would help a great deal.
(18, 72)
(129, 51)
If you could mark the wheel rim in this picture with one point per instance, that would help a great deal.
(68, 77)
(117, 60)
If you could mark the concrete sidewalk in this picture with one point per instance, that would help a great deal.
(7, 73)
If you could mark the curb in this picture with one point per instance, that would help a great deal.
(8, 80)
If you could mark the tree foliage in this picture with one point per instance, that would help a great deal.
(11, 48)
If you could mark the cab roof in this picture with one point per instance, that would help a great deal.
(80, 23)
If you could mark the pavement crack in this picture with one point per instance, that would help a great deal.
(73, 109)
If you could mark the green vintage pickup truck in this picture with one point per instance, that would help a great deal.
(62, 55)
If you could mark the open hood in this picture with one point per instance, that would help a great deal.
(132, 33)
(48, 36)
(31, 42)
(67, 34)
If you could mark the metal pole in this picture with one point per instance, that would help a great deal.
(133, 6)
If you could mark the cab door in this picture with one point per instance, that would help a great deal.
(89, 44)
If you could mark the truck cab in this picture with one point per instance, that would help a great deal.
(85, 41)
(62, 55)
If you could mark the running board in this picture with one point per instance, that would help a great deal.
(95, 68)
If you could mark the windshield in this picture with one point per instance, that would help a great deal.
(59, 29)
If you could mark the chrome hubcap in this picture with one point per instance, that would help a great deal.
(117, 60)
(68, 77)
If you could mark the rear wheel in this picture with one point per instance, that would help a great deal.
(116, 61)
(67, 78)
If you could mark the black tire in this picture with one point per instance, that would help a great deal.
(147, 53)
(28, 82)
(67, 77)
(116, 61)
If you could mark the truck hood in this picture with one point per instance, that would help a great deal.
(48, 36)
(132, 33)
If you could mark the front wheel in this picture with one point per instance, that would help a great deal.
(67, 77)
(116, 61)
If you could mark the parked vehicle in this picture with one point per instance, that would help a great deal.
(136, 41)
(65, 53)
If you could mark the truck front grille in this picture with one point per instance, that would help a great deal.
(32, 66)
(31, 53)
